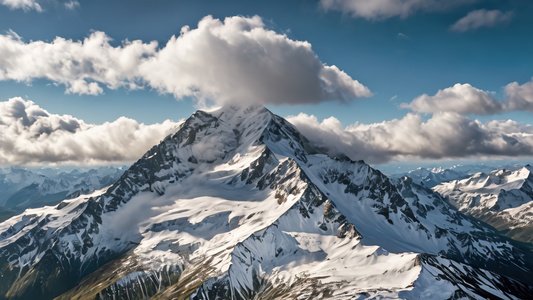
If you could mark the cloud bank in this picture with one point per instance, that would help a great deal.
(29, 135)
(385, 9)
(445, 135)
(481, 18)
(237, 59)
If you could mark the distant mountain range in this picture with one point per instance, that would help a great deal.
(237, 204)
(431, 177)
(502, 198)
(30, 188)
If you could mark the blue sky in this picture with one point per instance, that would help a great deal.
(399, 51)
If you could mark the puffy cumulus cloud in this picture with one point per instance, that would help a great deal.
(481, 18)
(510, 127)
(22, 4)
(240, 60)
(29, 135)
(82, 87)
(466, 99)
(460, 98)
(519, 97)
(79, 65)
(444, 136)
(384, 9)
(237, 59)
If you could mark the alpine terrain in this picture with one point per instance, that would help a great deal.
(21, 188)
(502, 198)
(431, 177)
(237, 204)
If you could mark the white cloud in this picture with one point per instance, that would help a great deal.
(83, 87)
(444, 136)
(80, 66)
(510, 127)
(519, 97)
(466, 99)
(237, 59)
(29, 135)
(460, 98)
(240, 60)
(72, 4)
(28, 5)
(14, 35)
(22, 4)
(403, 36)
(384, 9)
(481, 18)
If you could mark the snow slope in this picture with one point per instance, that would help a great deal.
(238, 205)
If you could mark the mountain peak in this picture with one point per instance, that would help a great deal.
(234, 109)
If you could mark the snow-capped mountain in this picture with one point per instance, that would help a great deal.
(431, 177)
(22, 188)
(502, 198)
(237, 204)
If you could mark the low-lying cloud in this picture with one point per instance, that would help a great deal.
(445, 135)
(29, 135)
(481, 18)
(237, 59)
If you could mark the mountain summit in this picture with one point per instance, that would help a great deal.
(237, 204)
